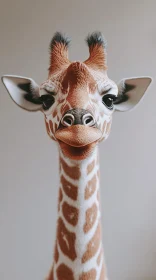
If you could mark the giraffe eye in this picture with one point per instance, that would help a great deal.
(108, 100)
(47, 101)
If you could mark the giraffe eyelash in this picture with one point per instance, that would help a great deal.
(106, 91)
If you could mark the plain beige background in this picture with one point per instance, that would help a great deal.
(28, 158)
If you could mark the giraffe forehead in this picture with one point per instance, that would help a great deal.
(77, 75)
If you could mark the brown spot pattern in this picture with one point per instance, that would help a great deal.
(64, 272)
(69, 189)
(60, 198)
(90, 275)
(51, 275)
(65, 108)
(60, 195)
(91, 187)
(66, 240)
(72, 171)
(55, 126)
(56, 254)
(90, 167)
(54, 113)
(51, 126)
(93, 245)
(70, 213)
(91, 215)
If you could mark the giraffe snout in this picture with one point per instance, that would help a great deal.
(78, 116)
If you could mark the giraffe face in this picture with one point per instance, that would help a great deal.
(78, 99)
(78, 107)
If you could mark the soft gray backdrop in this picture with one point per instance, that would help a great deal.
(28, 158)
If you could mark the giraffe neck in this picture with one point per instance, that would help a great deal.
(78, 249)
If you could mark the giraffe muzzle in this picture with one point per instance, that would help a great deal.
(78, 128)
(78, 135)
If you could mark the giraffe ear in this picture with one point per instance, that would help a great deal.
(131, 91)
(24, 92)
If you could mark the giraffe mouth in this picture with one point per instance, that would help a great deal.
(78, 141)
(77, 153)
(78, 136)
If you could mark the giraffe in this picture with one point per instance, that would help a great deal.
(78, 101)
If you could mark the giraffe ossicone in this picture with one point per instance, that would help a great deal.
(77, 101)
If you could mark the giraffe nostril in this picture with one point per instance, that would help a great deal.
(88, 120)
(68, 120)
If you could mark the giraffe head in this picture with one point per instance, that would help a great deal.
(78, 99)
